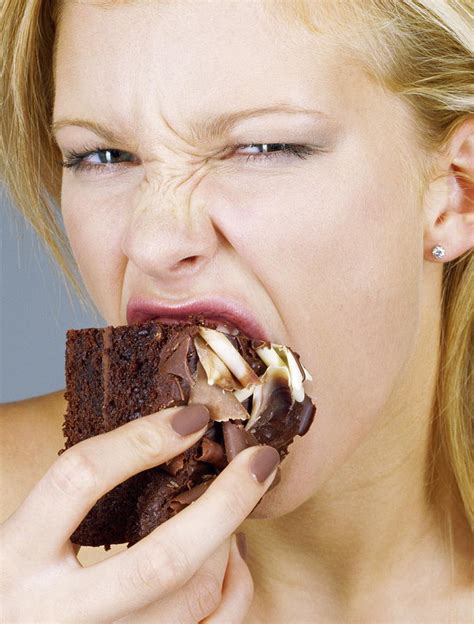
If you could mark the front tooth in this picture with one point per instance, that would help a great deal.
(222, 346)
(227, 329)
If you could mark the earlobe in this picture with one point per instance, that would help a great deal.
(451, 223)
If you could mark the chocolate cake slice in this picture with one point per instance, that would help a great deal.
(253, 389)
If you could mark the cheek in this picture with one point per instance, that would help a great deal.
(344, 267)
(94, 225)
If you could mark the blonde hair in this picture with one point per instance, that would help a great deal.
(427, 60)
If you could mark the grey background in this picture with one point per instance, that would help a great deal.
(36, 310)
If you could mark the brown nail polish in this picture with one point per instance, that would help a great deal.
(241, 540)
(190, 419)
(264, 462)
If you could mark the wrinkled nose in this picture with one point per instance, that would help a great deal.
(169, 235)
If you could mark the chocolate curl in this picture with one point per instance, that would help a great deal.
(173, 466)
(236, 439)
(177, 363)
(189, 496)
(212, 453)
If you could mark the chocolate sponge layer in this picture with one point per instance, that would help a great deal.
(117, 374)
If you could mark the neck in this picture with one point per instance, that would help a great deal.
(372, 525)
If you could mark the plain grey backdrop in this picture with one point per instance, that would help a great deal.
(35, 313)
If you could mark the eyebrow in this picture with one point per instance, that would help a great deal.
(202, 130)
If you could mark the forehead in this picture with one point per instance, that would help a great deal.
(180, 58)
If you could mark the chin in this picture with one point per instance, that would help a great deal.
(282, 499)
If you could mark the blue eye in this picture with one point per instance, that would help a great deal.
(81, 161)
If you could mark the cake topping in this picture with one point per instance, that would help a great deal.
(222, 346)
(212, 453)
(274, 394)
(280, 385)
(177, 362)
(222, 405)
(236, 439)
(186, 498)
(217, 372)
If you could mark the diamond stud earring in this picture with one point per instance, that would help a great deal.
(438, 252)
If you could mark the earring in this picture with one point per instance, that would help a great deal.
(438, 252)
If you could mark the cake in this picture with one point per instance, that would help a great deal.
(252, 388)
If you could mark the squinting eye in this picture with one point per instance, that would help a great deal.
(277, 150)
(80, 160)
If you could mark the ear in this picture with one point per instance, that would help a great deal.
(449, 218)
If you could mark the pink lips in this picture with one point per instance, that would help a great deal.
(140, 310)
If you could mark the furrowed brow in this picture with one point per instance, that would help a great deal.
(201, 130)
(221, 125)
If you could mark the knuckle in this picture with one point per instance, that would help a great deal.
(203, 595)
(145, 439)
(158, 572)
(235, 502)
(74, 474)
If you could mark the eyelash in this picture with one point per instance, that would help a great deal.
(76, 160)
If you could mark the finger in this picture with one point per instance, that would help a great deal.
(190, 604)
(86, 471)
(237, 591)
(169, 556)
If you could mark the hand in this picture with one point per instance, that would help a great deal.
(176, 572)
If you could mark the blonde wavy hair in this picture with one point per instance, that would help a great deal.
(419, 49)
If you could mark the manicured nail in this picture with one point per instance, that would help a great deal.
(190, 419)
(241, 540)
(264, 462)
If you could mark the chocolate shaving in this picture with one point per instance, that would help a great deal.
(186, 498)
(173, 466)
(236, 439)
(177, 362)
(212, 453)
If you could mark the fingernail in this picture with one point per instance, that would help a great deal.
(241, 540)
(190, 419)
(264, 462)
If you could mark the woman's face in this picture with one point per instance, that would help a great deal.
(326, 251)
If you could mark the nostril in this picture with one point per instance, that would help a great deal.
(189, 262)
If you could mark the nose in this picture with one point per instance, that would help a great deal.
(169, 234)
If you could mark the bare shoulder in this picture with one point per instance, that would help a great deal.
(30, 437)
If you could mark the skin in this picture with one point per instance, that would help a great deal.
(331, 253)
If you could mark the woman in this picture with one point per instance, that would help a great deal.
(312, 164)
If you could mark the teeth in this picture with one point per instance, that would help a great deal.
(227, 329)
(216, 371)
(222, 346)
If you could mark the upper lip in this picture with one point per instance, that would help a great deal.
(140, 309)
